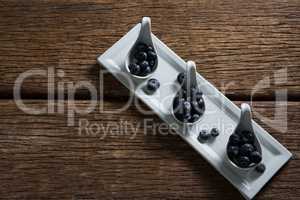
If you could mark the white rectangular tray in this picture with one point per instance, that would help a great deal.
(219, 111)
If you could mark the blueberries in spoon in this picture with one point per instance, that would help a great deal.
(151, 63)
(151, 55)
(247, 137)
(141, 56)
(144, 64)
(195, 118)
(233, 151)
(145, 58)
(246, 149)
(235, 139)
(134, 68)
(190, 110)
(255, 157)
(242, 151)
(244, 161)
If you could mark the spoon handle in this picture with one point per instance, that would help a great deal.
(246, 118)
(191, 80)
(145, 32)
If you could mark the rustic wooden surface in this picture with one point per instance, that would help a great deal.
(236, 44)
(41, 157)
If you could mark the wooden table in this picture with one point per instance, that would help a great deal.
(237, 45)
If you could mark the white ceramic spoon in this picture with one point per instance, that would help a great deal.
(190, 81)
(245, 124)
(145, 37)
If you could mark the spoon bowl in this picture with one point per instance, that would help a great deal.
(144, 38)
(190, 81)
(245, 125)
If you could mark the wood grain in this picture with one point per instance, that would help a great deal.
(235, 43)
(43, 158)
(238, 46)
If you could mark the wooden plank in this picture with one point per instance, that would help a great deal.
(43, 158)
(235, 43)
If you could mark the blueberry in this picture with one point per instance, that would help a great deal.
(197, 108)
(144, 64)
(204, 135)
(234, 139)
(187, 117)
(150, 48)
(233, 151)
(247, 137)
(196, 94)
(214, 132)
(194, 118)
(246, 149)
(152, 55)
(141, 56)
(201, 105)
(255, 157)
(200, 102)
(153, 84)
(260, 168)
(195, 105)
(141, 47)
(243, 161)
(134, 68)
(151, 63)
(147, 71)
(180, 77)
